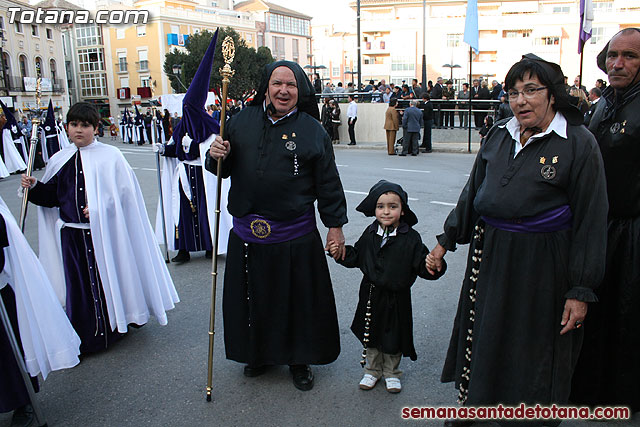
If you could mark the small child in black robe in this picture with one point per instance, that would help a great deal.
(391, 255)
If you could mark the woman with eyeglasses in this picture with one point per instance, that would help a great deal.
(534, 212)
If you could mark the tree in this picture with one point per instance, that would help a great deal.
(247, 64)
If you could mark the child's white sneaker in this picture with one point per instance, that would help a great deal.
(368, 382)
(393, 385)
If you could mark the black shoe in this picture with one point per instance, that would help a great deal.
(427, 151)
(302, 377)
(254, 371)
(402, 155)
(183, 256)
(414, 154)
(208, 254)
(23, 416)
(351, 143)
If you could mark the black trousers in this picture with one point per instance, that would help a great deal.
(352, 132)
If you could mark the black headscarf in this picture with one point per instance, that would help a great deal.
(306, 93)
(555, 84)
(368, 205)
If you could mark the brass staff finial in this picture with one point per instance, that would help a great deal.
(38, 92)
(228, 53)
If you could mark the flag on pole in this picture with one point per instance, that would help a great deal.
(471, 34)
(586, 23)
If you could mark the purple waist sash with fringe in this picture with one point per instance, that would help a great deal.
(556, 219)
(258, 229)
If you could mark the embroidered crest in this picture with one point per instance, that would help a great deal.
(615, 128)
(543, 160)
(548, 172)
(260, 228)
(284, 136)
(290, 145)
(554, 160)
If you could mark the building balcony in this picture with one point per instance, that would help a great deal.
(124, 93)
(375, 70)
(144, 92)
(15, 83)
(57, 85)
(142, 66)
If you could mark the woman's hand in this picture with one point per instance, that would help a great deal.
(434, 259)
(219, 149)
(574, 313)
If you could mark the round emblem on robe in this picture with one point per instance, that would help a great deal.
(47, 128)
(615, 128)
(260, 228)
(548, 172)
(14, 128)
(290, 145)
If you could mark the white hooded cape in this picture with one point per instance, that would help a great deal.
(12, 158)
(48, 339)
(134, 275)
(173, 177)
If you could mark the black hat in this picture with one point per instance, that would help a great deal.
(368, 205)
(306, 92)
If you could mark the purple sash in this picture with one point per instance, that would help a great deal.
(556, 219)
(258, 229)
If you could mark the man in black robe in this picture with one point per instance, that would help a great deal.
(278, 304)
(608, 372)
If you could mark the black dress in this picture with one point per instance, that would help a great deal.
(506, 345)
(389, 272)
(278, 304)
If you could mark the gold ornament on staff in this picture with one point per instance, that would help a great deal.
(35, 122)
(228, 53)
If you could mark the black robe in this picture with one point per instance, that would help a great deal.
(608, 372)
(514, 290)
(392, 270)
(278, 304)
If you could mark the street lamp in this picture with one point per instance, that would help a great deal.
(177, 71)
(451, 67)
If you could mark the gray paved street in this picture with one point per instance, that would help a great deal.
(157, 374)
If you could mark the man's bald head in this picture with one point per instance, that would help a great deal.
(623, 59)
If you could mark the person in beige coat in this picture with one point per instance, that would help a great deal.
(391, 125)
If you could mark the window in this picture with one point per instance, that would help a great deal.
(119, 33)
(597, 35)
(547, 41)
(124, 81)
(214, 4)
(18, 27)
(145, 81)
(335, 71)
(122, 62)
(38, 67)
(1, 23)
(49, 34)
(288, 24)
(90, 60)
(512, 34)
(402, 63)
(294, 49)
(278, 47)
(34, 30)
(54, 72)
(175, 29)
(143, 60)
(141, 30)
(22, 60)
(561, 9)
(7, 68)
(260, 39)
(453, 40)
(93, 85)
(602, 6)
(88, 35)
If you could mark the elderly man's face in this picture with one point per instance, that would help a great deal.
(623, 60)
(282, 91)
(576, 81)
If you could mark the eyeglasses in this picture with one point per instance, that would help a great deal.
(528, 93)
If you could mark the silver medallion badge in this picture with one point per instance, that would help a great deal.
(290, 145)
(548, 172)
(615, 128)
